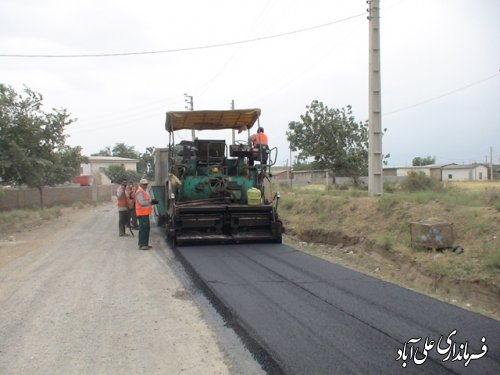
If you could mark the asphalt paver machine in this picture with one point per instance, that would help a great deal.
(211, 192)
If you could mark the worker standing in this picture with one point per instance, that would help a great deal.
(122, 203)
(143, 208)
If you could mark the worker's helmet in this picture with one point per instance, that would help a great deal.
(143, 181)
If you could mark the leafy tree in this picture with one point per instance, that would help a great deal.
(145, 167)
(418, 161)
(120, 150)
(305, 166)
(104, 152)
(123, 151)
(32, 142)
(118, 173)
(332, 138)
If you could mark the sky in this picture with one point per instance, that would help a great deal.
(440, 67)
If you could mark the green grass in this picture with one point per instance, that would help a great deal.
(493, 258)
(16, 219)
(347, 211)
(385, 240)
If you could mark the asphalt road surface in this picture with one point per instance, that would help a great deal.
(314, 317)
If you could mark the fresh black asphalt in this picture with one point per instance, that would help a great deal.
(314, 317)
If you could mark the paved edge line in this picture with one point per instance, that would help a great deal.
(260, 353)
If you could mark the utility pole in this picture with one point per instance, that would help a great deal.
(234, 131)
(375, 177)
(190, 107)
(491, 163)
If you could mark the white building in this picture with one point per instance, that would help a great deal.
(97, 164)
(464, 172)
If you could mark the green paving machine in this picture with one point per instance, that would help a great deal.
(211, 192)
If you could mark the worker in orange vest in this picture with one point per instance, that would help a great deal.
(122, 203)
(259, 146)
(143, 208)
(131, 204)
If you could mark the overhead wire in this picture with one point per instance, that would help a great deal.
(442, 95)
(217, 45)
(207, 84)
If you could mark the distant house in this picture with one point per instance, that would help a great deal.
(98, 164)
(433, 170)
(464, 172)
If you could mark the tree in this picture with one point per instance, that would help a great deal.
(418, 161)
(104, 152)
(32, 142)
(146, 166)
(123, 151)
(118, 173)
(305, 166)
(120, 150)
(332, 138)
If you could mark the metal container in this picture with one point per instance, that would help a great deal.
(431, 234)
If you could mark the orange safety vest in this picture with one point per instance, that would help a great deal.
(130, 198)
(141, 210)
(121, 198)
(260, 138)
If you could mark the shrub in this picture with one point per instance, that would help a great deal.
(390, 188)
(493, 259)
(418, 181)
(287, 203)
(385, 241)
(491, 196)
(386, 204)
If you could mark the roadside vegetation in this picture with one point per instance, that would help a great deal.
(372, 234)
(14, 221)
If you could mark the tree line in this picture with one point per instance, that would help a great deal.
(33, 149)
(118, 173)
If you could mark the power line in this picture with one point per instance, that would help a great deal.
(442, 95)
(252, 40)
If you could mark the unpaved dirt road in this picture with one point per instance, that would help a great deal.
(77, 299)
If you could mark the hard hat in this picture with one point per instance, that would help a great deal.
(144, 181)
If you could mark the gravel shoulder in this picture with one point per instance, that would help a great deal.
(78, 299)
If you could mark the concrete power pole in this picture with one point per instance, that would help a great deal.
(375, 177)
(491, 163)
(190, 107)
(234, 132)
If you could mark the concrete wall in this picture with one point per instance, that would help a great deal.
(313, 177)
(406, 171)
(52, 196)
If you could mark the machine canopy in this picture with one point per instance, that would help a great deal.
(238, 119)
